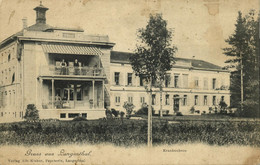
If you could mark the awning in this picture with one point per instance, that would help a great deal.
(71, 49)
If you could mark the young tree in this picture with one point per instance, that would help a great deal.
(31, 114)
(244, 53)
(129, 108)
(153, 57)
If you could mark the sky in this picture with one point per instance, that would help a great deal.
(200, 26)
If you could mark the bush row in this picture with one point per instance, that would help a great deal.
(129, 132)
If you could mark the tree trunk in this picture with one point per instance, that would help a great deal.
(161, 111)
(242, 85)
(149, 130)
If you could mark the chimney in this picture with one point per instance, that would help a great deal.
(24, 22)
(40, 13)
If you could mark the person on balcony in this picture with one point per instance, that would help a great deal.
(58, 101)
(76, 67)
(63, 65)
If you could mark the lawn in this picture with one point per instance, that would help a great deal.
(129, 132)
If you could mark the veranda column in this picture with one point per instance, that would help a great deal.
(93, 83)
(41, 92)
(52, 93)
(75, 94)
(103, 94)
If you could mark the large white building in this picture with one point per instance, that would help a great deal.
(37, 67)
(190, 83)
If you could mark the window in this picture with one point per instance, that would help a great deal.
(117, 78)
(13, 97)
(13, 78)
(9, 57)
(142, 80)
(130, 99)
(84, 115)
(167, 100)
(79, 94)
(117, 99)
(196, 100)
(63, 115)
(214, 100)
(73, 115)
(129, 78)
(214, 83)
(153, 99)
(196, 81)
(176, 81)
(205, 80)
(222, 98)
(167, 80)
(142, 100)
(184, 100)
(185, 80)
(205, 101)
(71, 94)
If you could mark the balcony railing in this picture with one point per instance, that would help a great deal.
(72, 71)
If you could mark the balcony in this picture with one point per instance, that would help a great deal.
(72, 71)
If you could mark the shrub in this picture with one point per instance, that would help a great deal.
(179, 114)
(114, 112)
(122, 114)
(108, 114)
(192, 109)
(216, 109)
(197, 111)
(128, 107)
(223, 106)
(79, 118)
(167, 112)
(31, 114)
(144, 111)
(210, 109)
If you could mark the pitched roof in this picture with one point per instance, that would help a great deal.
(123, 57)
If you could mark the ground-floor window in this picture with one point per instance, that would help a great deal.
(222, 98)
(196, 100)
(153, 99)
(214, 100)
(184, 100)
(73, 115)
(63, 115)
(167, 99)
(205, 100)
(117, 99)
(142, 100)
(130, 99)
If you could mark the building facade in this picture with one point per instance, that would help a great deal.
(67, 73)
(62, 71)
(190, 83)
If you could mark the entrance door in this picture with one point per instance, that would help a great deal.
(176, 103)
(68, 98)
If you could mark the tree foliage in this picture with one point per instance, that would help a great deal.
(244, 49)
(128, 107)
(31, 113)
(154, 54)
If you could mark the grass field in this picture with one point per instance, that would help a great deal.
(129, 132)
